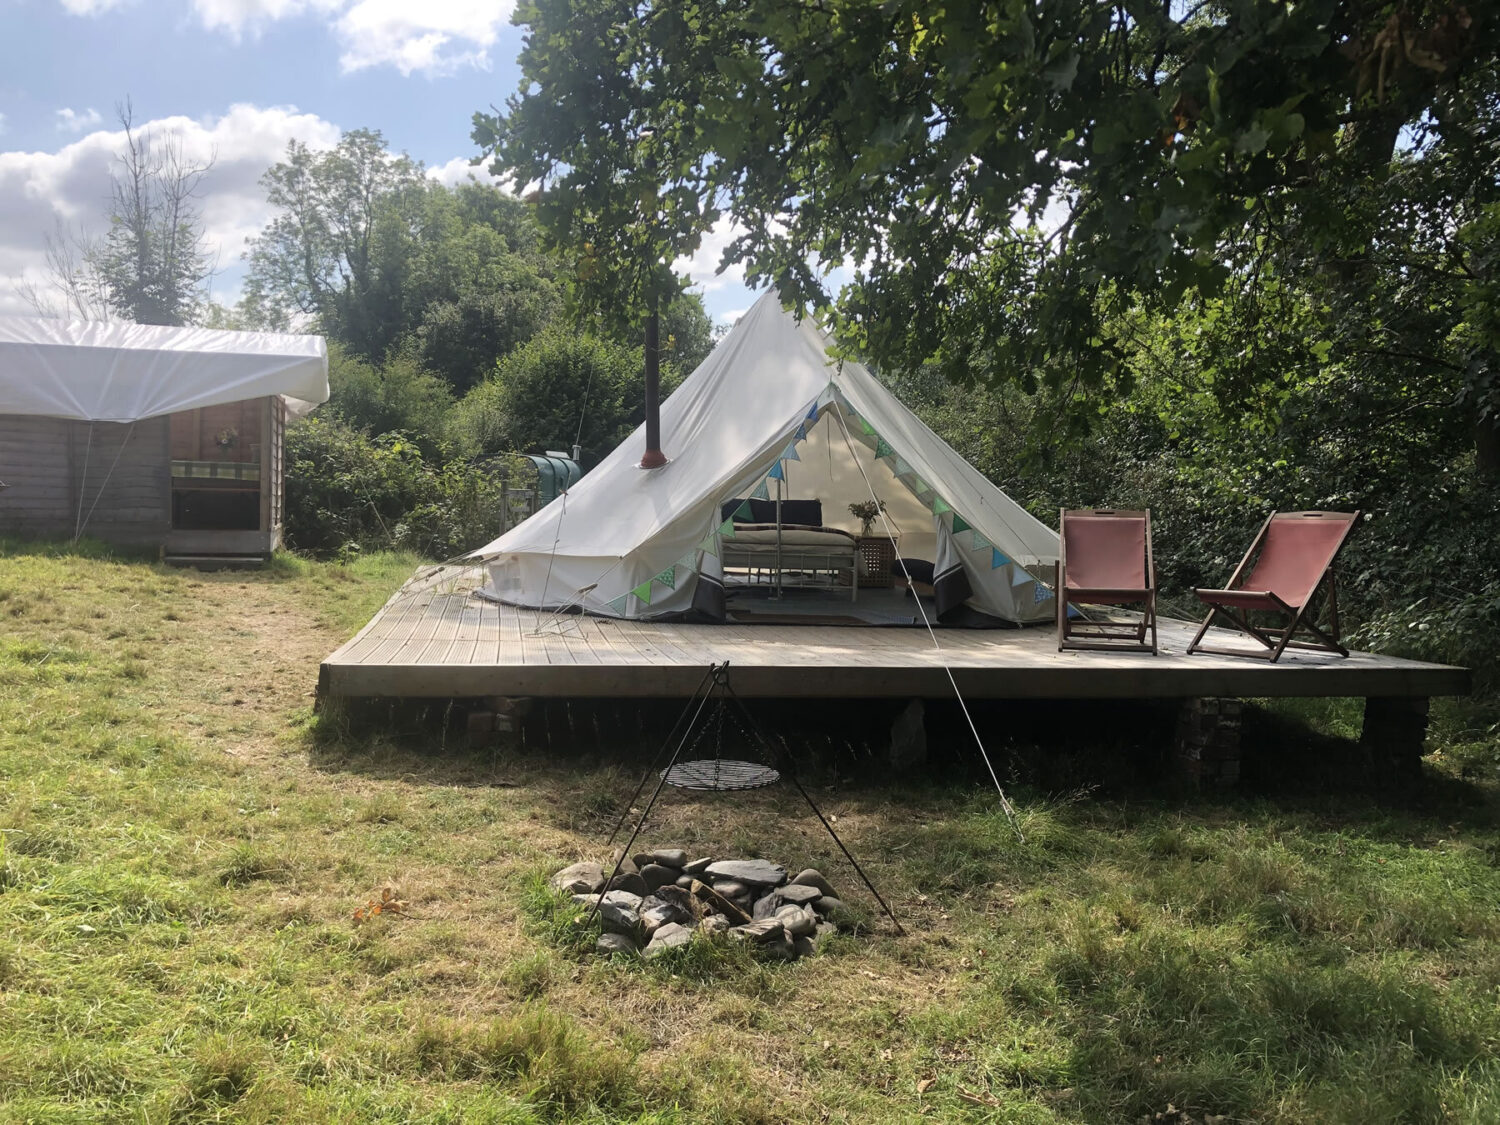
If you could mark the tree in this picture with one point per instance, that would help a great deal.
(339, 248)
(152, 265)
(1007, 180)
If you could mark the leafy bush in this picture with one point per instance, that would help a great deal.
(538, 394)
(347, 491)
(396, 396)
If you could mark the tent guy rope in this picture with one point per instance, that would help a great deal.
(1010, 813)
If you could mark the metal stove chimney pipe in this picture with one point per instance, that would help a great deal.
(654, 458)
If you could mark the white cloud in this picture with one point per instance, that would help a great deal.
(89, 7)
(40, 189)
(729, 316)
(430, 36)
(459, 170)
(71, 121)
(702, 266)
(434, 36)
(239, 16)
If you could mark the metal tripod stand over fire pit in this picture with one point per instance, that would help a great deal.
(719, 774)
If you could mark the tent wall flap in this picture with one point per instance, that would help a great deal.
(733, 423)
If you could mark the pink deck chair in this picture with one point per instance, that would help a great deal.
(1294, 556)
(1105, 559)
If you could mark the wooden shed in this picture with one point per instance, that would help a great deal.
(153, 437)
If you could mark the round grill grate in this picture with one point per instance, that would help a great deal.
(720, 775)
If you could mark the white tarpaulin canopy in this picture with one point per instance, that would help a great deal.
(769, 400)
(105, 371)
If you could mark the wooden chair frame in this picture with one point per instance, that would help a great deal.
(1104, 636)
(1277, 639)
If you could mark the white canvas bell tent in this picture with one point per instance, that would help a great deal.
(770, 409)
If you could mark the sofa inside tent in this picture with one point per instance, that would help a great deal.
(771, 415)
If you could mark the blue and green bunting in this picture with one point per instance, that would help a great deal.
(762, 492)
(643, 592)
(790, 453)
(744, 512)
(668, 578)
(618, 604)
(978, 542)
(726, 529)
(939, 506)
(997, 560)
(776, 473)
(1040, 594)
(883, 449)
(959, 523)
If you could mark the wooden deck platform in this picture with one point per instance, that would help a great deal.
(436, 639)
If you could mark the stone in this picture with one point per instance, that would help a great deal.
(804, 946)
(727, 906)
(627, 899)
(632, 883)
(618, 919)
(766, 930)
(780, 949)
(714, 924)
(580, 879)
(656, 912)
(768, 905)
(828, 906)
(730, 888)
(908, 738)
(669, 857)
(812, 877)
(628, 867)
(824, 931)
(640, 860)
(753, 872)
(610, 944)
(656, 875)
(698, 866)
(798, 920)
(668, 936)
(675, 894)
(800, 893)
(686, 881)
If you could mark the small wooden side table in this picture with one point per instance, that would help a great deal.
(876, 554)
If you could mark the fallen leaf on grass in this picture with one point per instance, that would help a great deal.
(924, 1085)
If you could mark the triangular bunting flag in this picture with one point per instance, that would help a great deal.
(618, 604)
(812, 412)
(883, 449)
(726, 529)
(1020, 578)
(959, 523)
(668, 578)
(1040, 594)
(978, 542)
(997, 560)
(710, 544)
(919, 486)
(777, 473)
(902, 468)
(743, 512)
(939, 506)
(790, 453)
(762, 492)
(802, 433)
(866, 429)
(643, 592)
(688, 562)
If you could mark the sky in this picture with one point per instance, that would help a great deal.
(236, 80)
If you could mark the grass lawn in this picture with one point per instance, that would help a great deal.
(183, 845)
